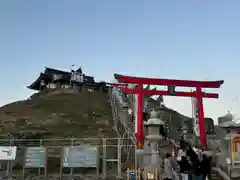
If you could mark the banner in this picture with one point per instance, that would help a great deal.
(82, 156)
(8, 152)
(195, 116)
(35, 157)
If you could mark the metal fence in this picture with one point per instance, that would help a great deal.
(114, 156)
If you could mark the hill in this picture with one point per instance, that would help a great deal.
(65, 113)
(58, 114)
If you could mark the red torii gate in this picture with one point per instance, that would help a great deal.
(171, 84)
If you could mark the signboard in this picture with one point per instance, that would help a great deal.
(8, 152)
(235, 149)
(35, 157)
(80, 156)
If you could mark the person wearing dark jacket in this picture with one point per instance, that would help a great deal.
(205, 167)
(193, 160)
(185, 167)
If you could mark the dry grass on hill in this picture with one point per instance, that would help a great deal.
(58, 114)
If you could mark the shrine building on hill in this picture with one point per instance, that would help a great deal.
(55, 79)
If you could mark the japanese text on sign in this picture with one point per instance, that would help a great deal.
(82, 156)
(35, 157)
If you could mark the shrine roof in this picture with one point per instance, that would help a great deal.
(35, 85)
(55, 71)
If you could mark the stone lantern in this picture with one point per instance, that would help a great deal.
(152, 139)
(153, 127)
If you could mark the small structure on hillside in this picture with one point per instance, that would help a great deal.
(55, 79)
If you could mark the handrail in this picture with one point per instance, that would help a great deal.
(222, 174)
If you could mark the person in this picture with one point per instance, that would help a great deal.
(209, 175)
(185, 168)
(181, 151)
(168, 173)
(197, 150)
(205, 167)
(182, 161)
(193, 160)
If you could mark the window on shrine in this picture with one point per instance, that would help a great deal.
(77, 77)
(90, 90)
(42, 83)
(56, 77)
(51, 86)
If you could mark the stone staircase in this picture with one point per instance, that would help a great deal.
(216, 176)
(124, 131)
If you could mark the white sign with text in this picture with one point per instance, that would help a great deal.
(8, 152)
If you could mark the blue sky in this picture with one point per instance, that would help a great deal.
(166, 39)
